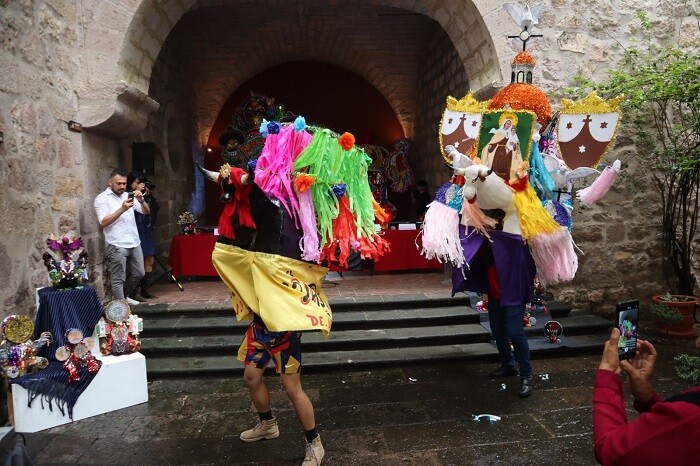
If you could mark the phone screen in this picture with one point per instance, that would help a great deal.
(628, 324)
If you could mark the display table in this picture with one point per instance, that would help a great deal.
(190, 255)
(120, 381)
(404, 254)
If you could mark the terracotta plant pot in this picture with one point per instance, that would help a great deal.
(684, 329)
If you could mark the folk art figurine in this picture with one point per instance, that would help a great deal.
(118, 330)
(18, 352)
(66, 261)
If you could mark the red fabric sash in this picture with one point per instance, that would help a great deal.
(240, 204)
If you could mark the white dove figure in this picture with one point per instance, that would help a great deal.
(523, 15)
(526, 17)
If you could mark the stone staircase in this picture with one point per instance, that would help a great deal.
(202, 340)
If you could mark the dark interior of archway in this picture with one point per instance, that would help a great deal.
(323, 94)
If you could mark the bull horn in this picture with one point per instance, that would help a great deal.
(210, 175)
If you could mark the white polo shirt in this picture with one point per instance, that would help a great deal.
(122, 232)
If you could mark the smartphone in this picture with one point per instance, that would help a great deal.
(628, 324)
(130, 196)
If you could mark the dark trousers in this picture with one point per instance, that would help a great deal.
(506, 327)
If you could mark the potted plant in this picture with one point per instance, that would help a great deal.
(666, 317)
(688, 368)
(662, 99)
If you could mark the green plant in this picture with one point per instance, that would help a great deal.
(667, 316)
(676, 298)
(688, 368)
(662, 103)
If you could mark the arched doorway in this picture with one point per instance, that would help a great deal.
(324, 94)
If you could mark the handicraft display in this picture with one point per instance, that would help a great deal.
(18, 352)
(553, 330)
(188, 223)
(66, 261)
(76, 354)
(119, 329)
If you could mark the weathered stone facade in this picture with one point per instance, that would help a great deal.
(160, 70)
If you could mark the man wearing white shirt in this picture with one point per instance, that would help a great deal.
(115, 212)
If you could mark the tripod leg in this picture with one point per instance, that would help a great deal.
(172, 277)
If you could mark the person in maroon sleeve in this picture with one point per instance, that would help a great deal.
(666, 431)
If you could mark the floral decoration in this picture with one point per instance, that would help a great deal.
(339, 190)
(263, 128)
(273, 127)
(302, 182)
(299, 124)
(346, 141)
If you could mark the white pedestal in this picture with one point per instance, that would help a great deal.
(120, 383)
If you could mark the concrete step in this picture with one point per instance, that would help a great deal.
(187, 324)
(174, 367)
(208, 365)
(338, 305)
(367, 331)
(339, 340)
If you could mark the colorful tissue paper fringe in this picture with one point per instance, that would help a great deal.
(441, 226)
(600, 186)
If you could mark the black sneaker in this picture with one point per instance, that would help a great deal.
(525, 387)
(505, 370)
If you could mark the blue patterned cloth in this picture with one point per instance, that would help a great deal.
(60, 310)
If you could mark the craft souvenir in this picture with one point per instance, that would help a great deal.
(66, 261)
(119, 329)
(76, 354)
(188, 223)
(398, 170)
(17, 350)
(553, 330)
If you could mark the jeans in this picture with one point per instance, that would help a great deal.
(507, 326)
(126, 268)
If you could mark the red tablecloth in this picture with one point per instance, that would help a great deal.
(404, 255)
(190, 255)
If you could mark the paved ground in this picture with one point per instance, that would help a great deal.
(409, 415)
(414, 415)
(349, 284)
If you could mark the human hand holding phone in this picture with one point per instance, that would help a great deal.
(611, 357)
(129, 202)
(640, 371)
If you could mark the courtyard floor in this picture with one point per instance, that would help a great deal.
(411, 415)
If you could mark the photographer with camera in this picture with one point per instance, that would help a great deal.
(115, 209)
(144, 223)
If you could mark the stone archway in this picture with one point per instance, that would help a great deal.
(115, 83)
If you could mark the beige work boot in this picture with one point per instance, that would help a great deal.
(263, 430)
(314, 452)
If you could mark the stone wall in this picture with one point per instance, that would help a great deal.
(441, 73)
